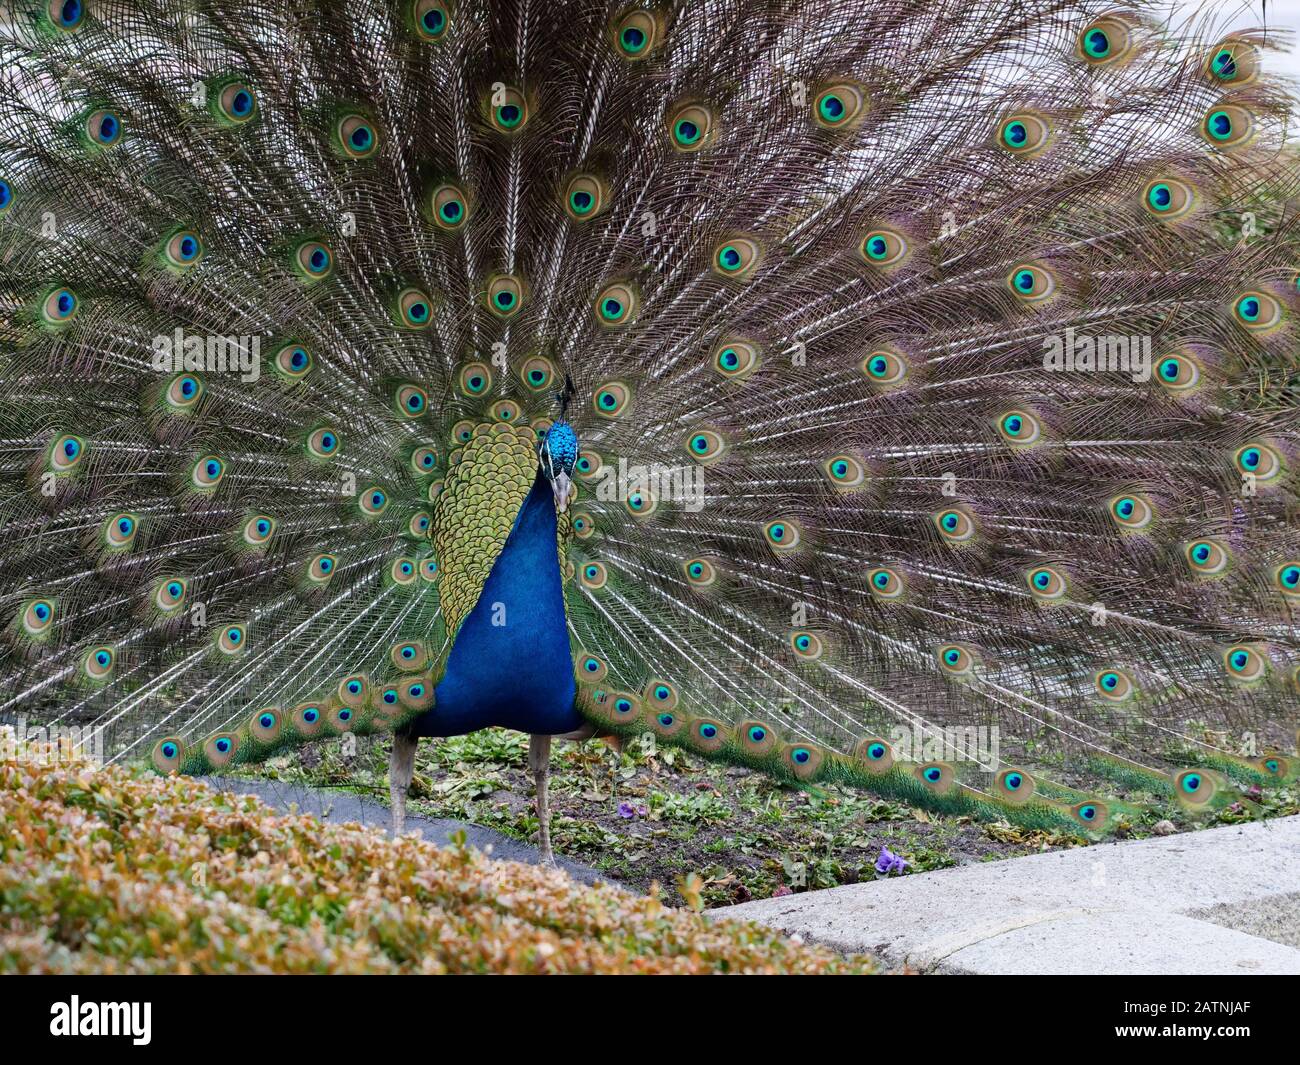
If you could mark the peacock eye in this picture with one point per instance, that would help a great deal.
(612, 400)
(1031, 283)
(509, 110)
(184, 249)
(120, 530)
(955, 525)
(1228, 126)
(314, 259)
(1207, 557)
(99, 662)
(184, 392)
(635, 34)
(1178, 373)
(585, 196)
(292, 361)
(431, 18)
(59, 306)
(237, 103)
(1287, 578)
(450, 206)
(734, 358)
(1257, 311)
(839, 106)
(323, 443)
(424, 459)
(207, 472)
(844, 472)
(1019, 427)
(231, 639)
(66, 16)
(885, 368)
(1244, 663)
(884, 247)
(1131, 512)
(1232, 62)
(66, 453)
(537, 373)
(415, 308)
(736, 258)
(505, 295)
(782, 535)
(1166, 198)
(886, 583)
(258, 529)
(373, 501)
(594, 576)
(691, 127)
(616, 305)
(1104, 42)
(321, 568)
(169, 594)
(6, 196)
(700, 572)
(1024, 134)
(104, 127)
(706, 446)
(1258, 460)
(1046, 583)
(356, 136)
(38, 616)
(807, 645)
(411, 401)
(1114, 684)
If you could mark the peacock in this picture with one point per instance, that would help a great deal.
(799, 383)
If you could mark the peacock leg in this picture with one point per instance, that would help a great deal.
(401, 768)
(539, 761)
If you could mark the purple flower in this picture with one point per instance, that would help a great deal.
(626, 811)
(889, 862)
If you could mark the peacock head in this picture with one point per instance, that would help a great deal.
(558, 455)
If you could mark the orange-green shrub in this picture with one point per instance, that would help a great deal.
(105, 870)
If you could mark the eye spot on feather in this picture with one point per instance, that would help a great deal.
(1258, 460)
(98, 663)
(1245, 664)
(782, 534)
(1287, 578)
(323, 443)
(611, 400)
(430, 19)
(691, 127)
(885, 369)
(6, 196)
(884, 248)
(1019, 427)
(505, 295)
(593, 576)
(956, 660)
(936, 776)
(167, 755)
(737, 258)
(1178, 373)
(411, 401)
(1167, 198)
(1105, 42)
(207, 473)
(706, 446)
(184, 391)
(956, 525)
(104, 127)
(1131, 512)
(449, 205)
(292, 361)
(886, 583)
(616, 305)
(321, 568)
(807, 645)
(120, 530)
(1233, 63)
(700, 572)
(839, 106)
(236, 103)
(844, 472)
(38, 616)
(1228, 126)
(415, 309)
(1115, 685)
(314, 260)
(59, 306)
(231, 639)
(1046, 583)
(590, 669)
(169, 594)
(258, 530)
(66, 453)
(1207, 557)
(584, 197)
(373, 501)
(1257, 312)
(183, 250)
(1031, 283)
(1024, 134)
(1193, 787)
(636, 34)
(734, 358)
(509, 111)
(66, 16)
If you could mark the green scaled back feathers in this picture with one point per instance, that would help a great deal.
(919, 389)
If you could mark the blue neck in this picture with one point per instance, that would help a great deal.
(510, 663)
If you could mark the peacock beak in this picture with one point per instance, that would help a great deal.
(561, 486)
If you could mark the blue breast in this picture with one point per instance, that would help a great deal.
(510, 664)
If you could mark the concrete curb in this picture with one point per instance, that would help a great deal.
(1225, 900)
